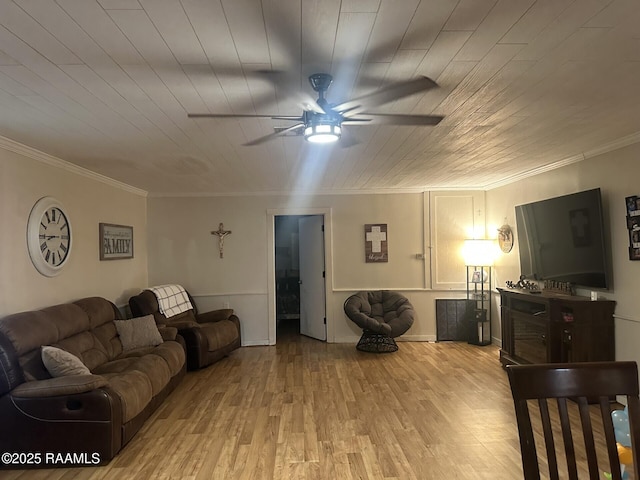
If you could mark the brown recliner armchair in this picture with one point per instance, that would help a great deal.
(209, 336)
(382, 315)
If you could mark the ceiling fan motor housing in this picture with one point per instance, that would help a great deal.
(320, 82)
(322, 127)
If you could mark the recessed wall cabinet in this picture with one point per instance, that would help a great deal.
(547, 327)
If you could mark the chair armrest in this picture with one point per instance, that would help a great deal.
(183, 324)
(52, 387)
(214, 315)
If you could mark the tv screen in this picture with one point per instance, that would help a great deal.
(562, 239)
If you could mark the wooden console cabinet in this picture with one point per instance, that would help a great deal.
(547, 327)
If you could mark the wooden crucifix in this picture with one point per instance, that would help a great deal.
(221, 233)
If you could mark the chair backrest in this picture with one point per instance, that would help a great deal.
(581, 384)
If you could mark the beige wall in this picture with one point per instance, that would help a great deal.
(26, 177)
(615, 174)
(182, 250)
(174, 233)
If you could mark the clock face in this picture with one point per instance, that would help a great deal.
(54, 236)
(49, 236)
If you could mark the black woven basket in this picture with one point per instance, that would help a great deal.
(376, 343)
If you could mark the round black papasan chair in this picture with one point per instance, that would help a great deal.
(382, 315)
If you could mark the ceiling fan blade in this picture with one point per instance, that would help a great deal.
(394, 119)
(242, 115)
(225, 115)
(388, 94)
(309, 104)
(273, 135)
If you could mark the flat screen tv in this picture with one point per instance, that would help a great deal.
(562, 239)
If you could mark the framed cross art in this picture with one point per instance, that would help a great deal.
(375, 243)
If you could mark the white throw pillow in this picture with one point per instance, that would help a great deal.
(138, 332)
(60, 363)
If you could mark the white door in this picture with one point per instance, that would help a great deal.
(312, 294)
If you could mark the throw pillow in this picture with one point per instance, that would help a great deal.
(138, 332)
(60, 363)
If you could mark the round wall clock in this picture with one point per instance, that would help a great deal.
(49, 236)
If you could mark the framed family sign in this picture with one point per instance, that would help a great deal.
(116, 241)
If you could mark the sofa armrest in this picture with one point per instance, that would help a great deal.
(80, 422)
(52, 387)
(168, 333)
(214, 315)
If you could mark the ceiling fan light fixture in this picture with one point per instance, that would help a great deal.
(322, 133)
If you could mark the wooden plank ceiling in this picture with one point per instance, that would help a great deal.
(523, 85)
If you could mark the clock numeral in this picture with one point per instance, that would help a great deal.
(42, 225)
(53, 215)
(64, 225)
(53, 258)
(63, 247)
(42, 236)
(43, 246)
(47, 255)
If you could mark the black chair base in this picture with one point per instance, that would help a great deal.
(376, 343)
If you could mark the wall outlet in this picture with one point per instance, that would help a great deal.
(225, 304)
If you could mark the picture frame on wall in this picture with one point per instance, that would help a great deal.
(633, 225)
(376, 247)
(116, 241)
(633, 205)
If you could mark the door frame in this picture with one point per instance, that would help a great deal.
(271, 264)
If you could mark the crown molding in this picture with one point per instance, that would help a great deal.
(606, 148)
(32, 153)
(284, 193)
(315, 193)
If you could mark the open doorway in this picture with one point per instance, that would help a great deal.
(287, 272)
(300, 276)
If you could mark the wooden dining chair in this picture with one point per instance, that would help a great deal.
(580, 383)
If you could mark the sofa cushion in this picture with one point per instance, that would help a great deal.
(60, 363)
(173, 354)
(138, 332)
(86, 347)
(134, 390)
(156, 370)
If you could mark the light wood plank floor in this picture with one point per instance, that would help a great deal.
(309, 410)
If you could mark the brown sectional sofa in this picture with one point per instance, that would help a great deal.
(209, 336)
(96, 413)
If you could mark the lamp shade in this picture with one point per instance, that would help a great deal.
(479, 252)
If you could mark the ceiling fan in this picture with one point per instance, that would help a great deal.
(322, 122)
